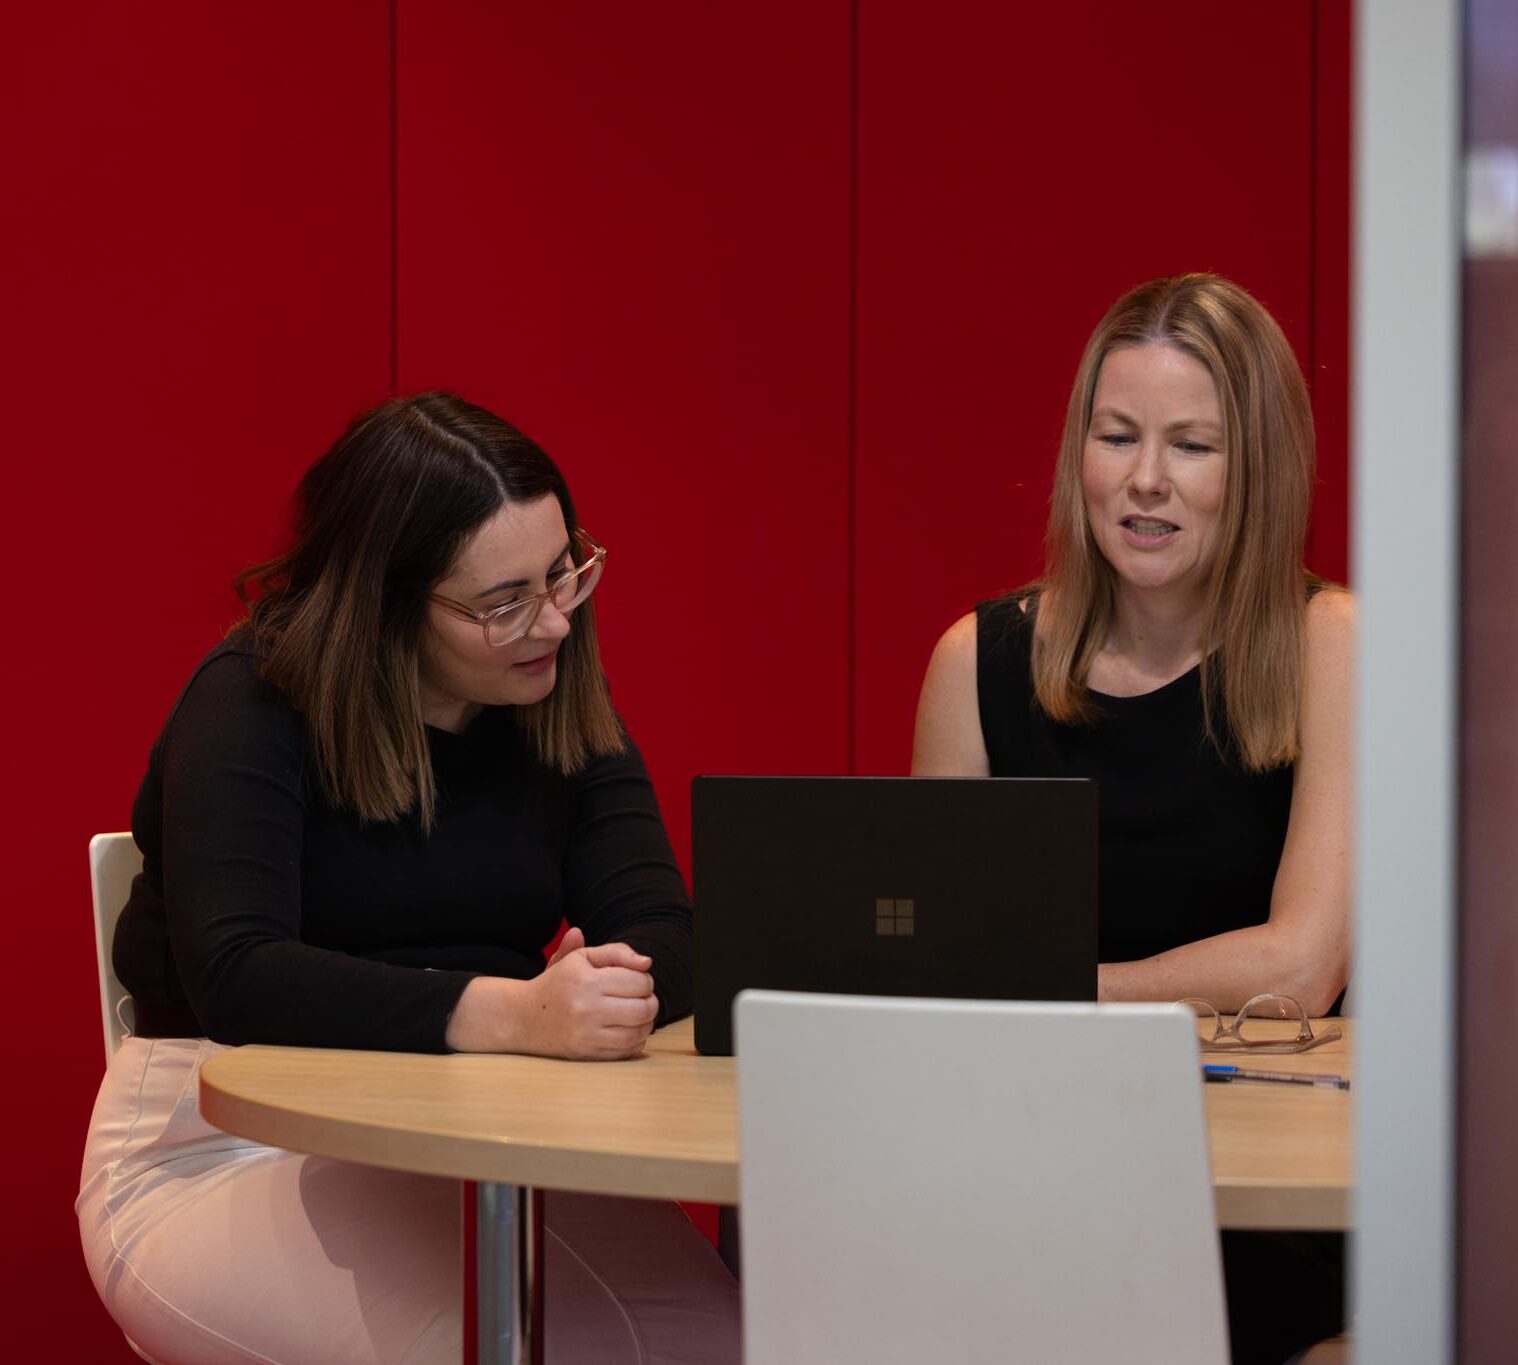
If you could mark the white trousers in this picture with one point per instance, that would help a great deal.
(209, 1249)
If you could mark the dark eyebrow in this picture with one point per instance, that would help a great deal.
(519, 582)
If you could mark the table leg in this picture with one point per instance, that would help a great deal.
(509, 1274)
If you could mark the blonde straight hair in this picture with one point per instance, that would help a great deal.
(339, 617)
(1257, 593)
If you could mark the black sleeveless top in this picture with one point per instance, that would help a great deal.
(1189, 840)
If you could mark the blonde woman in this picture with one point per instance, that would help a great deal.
(1175, 650)
(365, 816)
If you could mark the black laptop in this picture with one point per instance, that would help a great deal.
(969, 888)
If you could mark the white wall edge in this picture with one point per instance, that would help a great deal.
(1406, 497)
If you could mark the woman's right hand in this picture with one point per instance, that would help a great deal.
(592, 1004)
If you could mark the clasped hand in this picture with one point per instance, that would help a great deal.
(595, 1002)
(592, 1004)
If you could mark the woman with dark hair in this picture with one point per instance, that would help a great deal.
(1176, 650)
(366, 815)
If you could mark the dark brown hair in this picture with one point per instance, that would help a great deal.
(339, 617)
(1257, 595)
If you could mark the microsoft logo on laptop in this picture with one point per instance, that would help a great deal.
(895, 918)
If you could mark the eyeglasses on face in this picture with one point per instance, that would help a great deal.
(512, 620)
(1253, 1028)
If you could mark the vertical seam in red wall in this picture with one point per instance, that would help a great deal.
(1313, 76)
(853, 384)
(395, 199)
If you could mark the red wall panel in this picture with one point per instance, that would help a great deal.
(631, 229)
(625, 227)
(1018, 169)
(1329, 375)
(195, 243)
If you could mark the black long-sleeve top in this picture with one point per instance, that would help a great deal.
(264, 914)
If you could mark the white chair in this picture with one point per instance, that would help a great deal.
(114, 861)
(931, 1180)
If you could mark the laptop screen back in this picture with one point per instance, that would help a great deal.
(970, 888)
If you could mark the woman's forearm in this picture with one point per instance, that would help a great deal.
(490, 1016)
(1229, 968)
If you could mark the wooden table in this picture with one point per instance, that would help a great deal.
(666, 1126)
(662, 1126)
(1283, 1155)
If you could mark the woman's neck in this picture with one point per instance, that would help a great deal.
(1152, 640)
(443, 712)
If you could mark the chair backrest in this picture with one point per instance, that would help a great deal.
(114, 861)
(964, 1181)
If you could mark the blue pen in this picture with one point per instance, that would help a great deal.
(1239, 1073)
